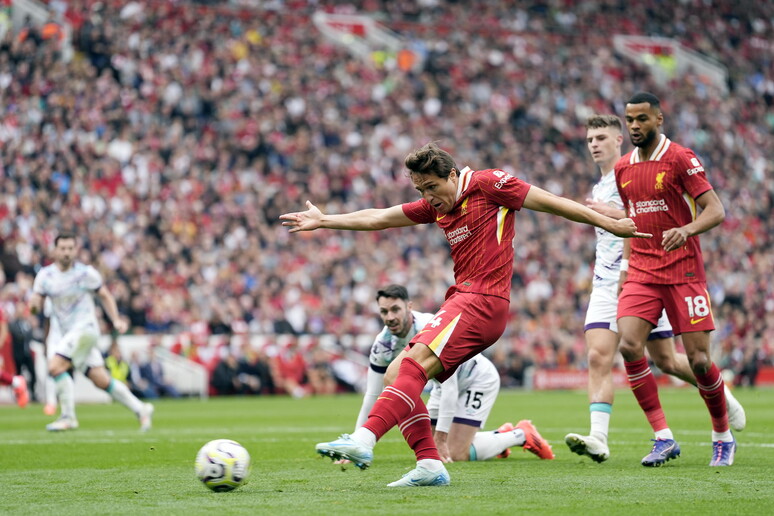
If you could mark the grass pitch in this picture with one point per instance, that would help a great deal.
(108, 467)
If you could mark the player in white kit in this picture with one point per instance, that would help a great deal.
(604, 137)
(74, 331)
(460, 406)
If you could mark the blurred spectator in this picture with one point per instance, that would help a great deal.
(255, 370)
(139, 385)
(122, 371)
(516, 369)
(177, 161)
(226, 379)
(20, 329)
(320, 372)
(152, 371)
(290, 371)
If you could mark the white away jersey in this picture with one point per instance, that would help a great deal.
(71, 293)
(387, 346)
(609, 247)
(477, 371)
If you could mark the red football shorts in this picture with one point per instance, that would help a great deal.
(687, 305)
(465, 325)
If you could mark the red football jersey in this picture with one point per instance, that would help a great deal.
(660, 194)
(479, 229)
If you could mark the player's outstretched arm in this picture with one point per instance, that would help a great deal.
(605, 209)
(372, 219)
(36, 303)
(374, 387)
(111, 309)
(538, 199)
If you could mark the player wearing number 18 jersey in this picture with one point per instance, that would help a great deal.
(662, 186)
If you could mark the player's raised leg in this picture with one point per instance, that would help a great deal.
(121, 393)
(394, 405)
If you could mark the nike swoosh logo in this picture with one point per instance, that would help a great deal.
(439, 218)
(697, 321)
(624, 185)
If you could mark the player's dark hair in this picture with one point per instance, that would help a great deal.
(65, 235)
(431, 159)
(643, 97)
(602, 121)
(393, 291)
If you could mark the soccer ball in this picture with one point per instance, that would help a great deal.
(222, 465)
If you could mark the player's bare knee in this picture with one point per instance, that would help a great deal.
(55, 371)
(666, 364)
(599, 359)
(700, 363)
(99, 377)
(630, 350)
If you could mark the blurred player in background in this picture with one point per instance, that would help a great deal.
(459, 407)
(74, 332)
(604, 137)
(662, 185)
(17, 382)
(475, 210)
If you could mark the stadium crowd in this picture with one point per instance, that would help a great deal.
(179, 132)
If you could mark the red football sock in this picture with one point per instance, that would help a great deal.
(399, 400)
(644, 387)
(5, 378)
(710, 387)
(418, 432)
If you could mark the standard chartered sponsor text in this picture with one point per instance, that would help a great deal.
(458, 235)
(651, 206)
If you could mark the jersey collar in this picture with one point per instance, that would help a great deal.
(463, 182)
(656, 155)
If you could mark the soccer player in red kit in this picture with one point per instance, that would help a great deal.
(661, 184)
(475, 210)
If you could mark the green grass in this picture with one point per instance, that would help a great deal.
(108, 467)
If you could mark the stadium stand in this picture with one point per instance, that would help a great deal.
(179, 131)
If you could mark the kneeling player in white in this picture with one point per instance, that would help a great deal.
(74, 332)
(459, 407)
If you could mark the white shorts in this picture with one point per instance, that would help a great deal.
(603, 310)
(78, 345)
(475, 400)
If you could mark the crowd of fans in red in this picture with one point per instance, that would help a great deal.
(179, 132)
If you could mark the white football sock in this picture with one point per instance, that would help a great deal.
(600, 425)
(364, 436)
(65, 393)
(430, 464)
(123, 395)
(50, 388)
(491, 444)
(664, 434)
